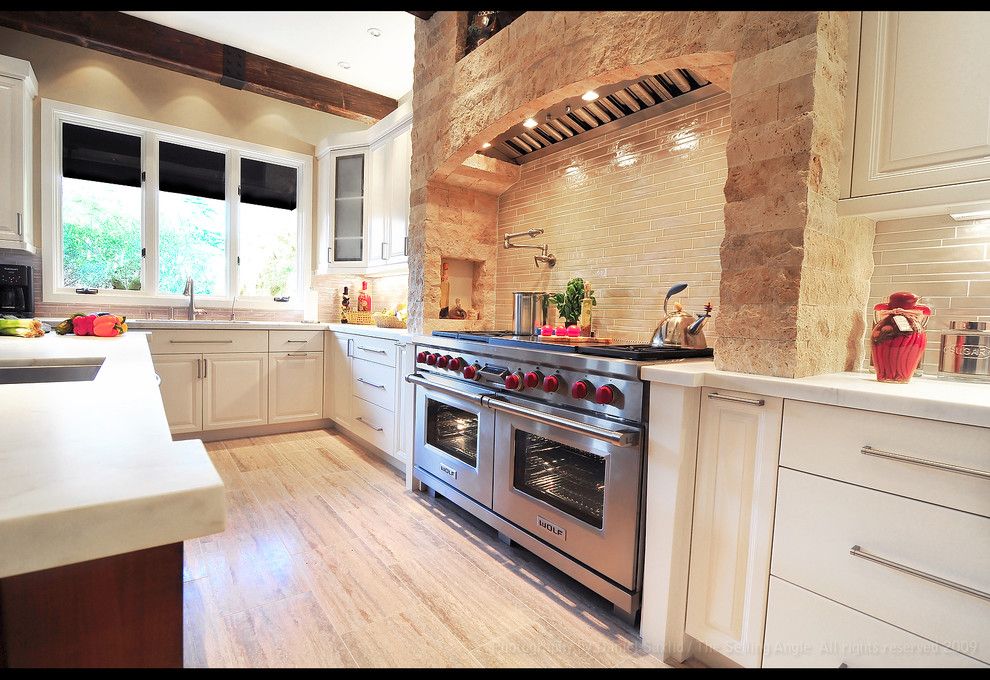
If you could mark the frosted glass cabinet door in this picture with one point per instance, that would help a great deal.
(348, 214)
(923, 105)
(235, 391)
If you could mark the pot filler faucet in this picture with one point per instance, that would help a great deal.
(545, 256)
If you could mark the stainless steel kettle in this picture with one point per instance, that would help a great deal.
(679, 328)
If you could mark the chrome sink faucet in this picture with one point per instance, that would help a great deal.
(190, 291)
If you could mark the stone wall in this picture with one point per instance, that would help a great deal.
(632, 212)
(791, 299)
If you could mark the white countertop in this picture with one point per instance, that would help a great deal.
(925, 397)
(401, 334)
(89, 469)
(183, 324)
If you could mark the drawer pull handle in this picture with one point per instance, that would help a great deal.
(298, 354)
(297, 340)
(201, 342)
(365, 422)
(949, 467)
(857, 551)
(371, 349)
(370, 384)
(741, 400)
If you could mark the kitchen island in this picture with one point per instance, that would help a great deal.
(95, 501)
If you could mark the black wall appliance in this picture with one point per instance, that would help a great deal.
(16, 290)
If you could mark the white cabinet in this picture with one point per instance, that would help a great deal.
(18, 87)
(922, 107)
(235, 390)
(339, 378)
(739, 441)
(182, 390)
(295, 386)
(363, 197)
(363, 393)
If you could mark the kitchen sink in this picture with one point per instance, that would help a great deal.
(42, 371)
(137, 323)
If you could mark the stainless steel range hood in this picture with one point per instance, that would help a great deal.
(576, 120)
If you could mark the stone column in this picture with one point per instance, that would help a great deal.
(795, 277)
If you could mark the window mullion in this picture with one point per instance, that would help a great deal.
(150, 222)
(233, 213)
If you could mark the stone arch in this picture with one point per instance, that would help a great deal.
(786, 74)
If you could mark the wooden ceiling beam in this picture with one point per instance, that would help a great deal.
(127, 36)
(425, 16)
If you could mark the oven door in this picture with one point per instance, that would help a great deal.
(454, 437)
(578, 491)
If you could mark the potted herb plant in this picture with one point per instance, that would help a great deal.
(569, 302)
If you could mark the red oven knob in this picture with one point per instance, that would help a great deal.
(443, 361)
(580, 389)
(471, 372)
(551, 383)
(533, 379)
(431, 359)
(421, 357)
(455, 364)
(514, 381)
(605, 394)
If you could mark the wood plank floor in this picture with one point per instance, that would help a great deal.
(327, 560)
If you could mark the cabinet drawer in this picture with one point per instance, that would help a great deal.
(829, 441)
(818, 523)
(207, 341)
(374, 382)
(805, 630)
(295, 341)
(373, 349)
(373, 424)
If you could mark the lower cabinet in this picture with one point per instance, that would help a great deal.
(295, 386)
(235, 390)
(338, 379)
(182, 390)
(738, 446)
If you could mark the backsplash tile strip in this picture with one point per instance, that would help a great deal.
(944, 261)
(632, 212)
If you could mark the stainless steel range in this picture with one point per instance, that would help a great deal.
(546, 444)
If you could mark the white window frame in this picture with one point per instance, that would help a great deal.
(54, 113)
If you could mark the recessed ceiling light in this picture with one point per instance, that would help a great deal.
(344, 64)
(530, 123)
(975, 215)
(375, 32)
(486, 145)
(589, 96)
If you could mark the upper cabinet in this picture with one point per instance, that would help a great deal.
(364, 197)
(18, 88)
(921, 131)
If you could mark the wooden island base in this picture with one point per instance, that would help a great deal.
(118, 611)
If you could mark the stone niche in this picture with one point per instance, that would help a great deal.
(795, 276)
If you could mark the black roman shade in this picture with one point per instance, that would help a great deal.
(100, 155)
(268, 184)
(191, 171)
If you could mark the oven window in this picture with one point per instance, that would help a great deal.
(453, 431)
(569, 479)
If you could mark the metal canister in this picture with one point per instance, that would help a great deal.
(529, 311)
(965, 351)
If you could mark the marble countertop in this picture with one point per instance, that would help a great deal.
(204, 324)
(924, 397)
(88, 469)
(372, 331)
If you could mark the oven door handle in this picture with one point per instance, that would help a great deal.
(417, 379)
(622, 438)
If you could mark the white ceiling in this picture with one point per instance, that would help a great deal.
(315, 41)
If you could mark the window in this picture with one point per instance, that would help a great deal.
(134, 208)
(101, 208)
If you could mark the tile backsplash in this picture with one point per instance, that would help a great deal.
(386, 291)
(944, 261)
(631, 212)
